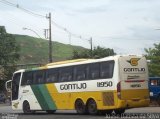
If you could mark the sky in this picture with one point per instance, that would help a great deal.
(127, 26)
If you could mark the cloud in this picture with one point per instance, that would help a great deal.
(129, 24)
(145, 33)
(94, 9)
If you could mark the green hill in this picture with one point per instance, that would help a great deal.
(35, 50)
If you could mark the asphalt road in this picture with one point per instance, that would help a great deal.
(136, 113)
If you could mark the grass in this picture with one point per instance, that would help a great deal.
(35, 50)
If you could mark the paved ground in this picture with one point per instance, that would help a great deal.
(7, 113)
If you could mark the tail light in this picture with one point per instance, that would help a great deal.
(119, 90)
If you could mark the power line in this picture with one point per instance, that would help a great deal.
(21, 8)
(30, 12)
(13, 18)
(8, 3)
(70, 33)
(39, 15)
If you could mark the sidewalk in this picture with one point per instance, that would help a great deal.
(4, 104)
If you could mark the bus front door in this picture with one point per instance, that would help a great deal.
(15, 90)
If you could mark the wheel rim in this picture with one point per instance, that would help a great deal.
(27, 108)
(92, 107)
(79, 106)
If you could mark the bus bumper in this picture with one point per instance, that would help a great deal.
(133, 103)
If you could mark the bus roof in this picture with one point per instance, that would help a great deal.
(74, 62)
(66, 62)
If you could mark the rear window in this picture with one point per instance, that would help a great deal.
(154, 82)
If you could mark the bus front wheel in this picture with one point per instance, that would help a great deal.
(80, 107)
(92, 107)
(26, 108)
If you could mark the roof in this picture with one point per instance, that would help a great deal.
(75, 62)
(66, 62)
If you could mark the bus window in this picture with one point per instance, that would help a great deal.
(15, 86)
(27, 78)
(94, 71)
(38, 77)
(154, 82)
(66, 74)
(81, 72)
(106, 69)
(52, 76)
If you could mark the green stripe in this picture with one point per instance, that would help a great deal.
(48, 97)
(39, 97)
(43, 97)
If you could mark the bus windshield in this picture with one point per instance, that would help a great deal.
(15, 86)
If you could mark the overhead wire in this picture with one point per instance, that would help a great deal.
(39, 15)
(67, 31)
(21, 8)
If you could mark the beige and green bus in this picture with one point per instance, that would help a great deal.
(114, 83)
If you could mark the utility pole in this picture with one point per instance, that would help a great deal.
(91, 47)
(50, 39)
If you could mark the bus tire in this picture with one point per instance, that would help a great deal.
(119, 111)
(80, 106)
(92, 107)
(26, 108)
(50, 111)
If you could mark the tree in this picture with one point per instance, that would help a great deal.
(8, 53)
(98, 52)
(153, 55)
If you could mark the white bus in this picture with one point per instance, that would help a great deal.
(91, 86)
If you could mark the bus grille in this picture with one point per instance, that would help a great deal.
(108, 99)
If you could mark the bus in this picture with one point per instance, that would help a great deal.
(89, 86)
(154, 88)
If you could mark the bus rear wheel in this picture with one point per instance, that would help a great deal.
(92, 107)
(80, 107)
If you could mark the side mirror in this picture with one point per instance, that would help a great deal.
(8, 85)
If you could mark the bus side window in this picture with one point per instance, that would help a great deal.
(27, 78)
(94, 71)
(39, 77)
(66, 74)
(106, 69)
(81, 72)
(52, 76)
